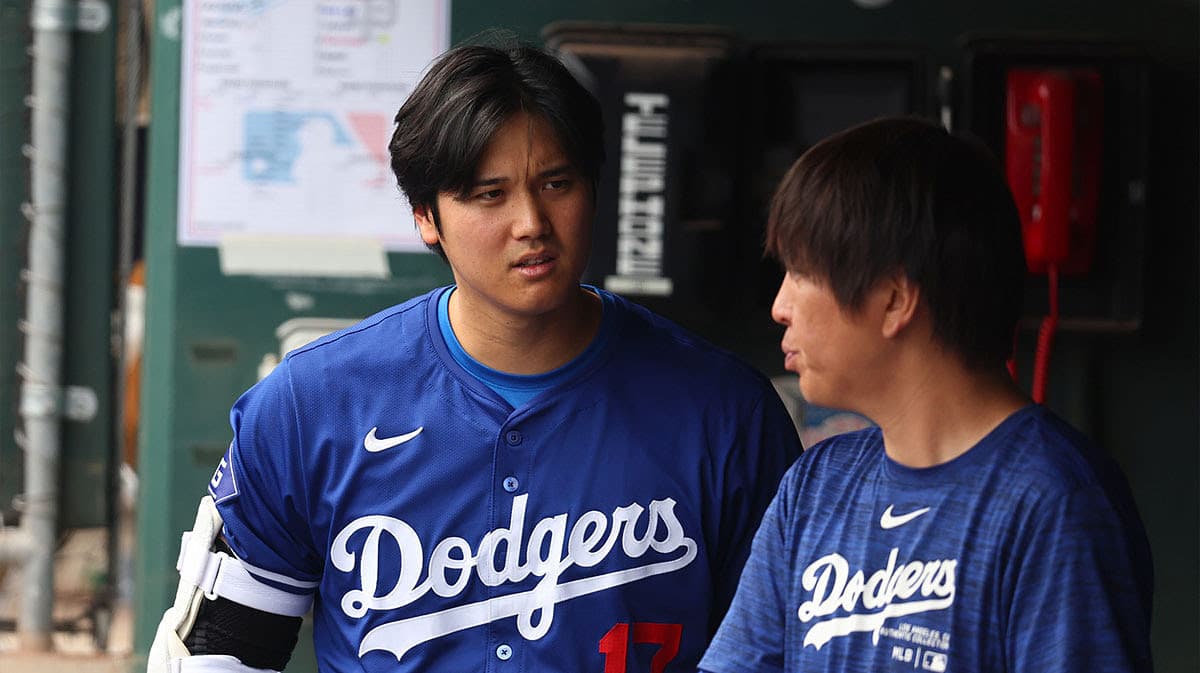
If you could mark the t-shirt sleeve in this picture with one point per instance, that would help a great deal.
(259, 489)
(768, 445)
(751, 637)
(1080, 597)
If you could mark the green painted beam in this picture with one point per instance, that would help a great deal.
(161, 508)
(88, 446)
(14, 181)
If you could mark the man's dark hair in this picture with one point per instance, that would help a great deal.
(904, 194)
(444, 126)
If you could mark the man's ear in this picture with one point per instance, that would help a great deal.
(904, 298)
(425, 224)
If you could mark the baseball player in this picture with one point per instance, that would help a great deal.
(971, 530)
(513, 473)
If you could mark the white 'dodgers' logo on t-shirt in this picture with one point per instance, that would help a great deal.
(590, 540)
(884, 594)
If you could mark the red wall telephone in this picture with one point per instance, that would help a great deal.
(1053, 131)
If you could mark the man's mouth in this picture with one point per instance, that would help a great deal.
(534, 261)
(789, 356)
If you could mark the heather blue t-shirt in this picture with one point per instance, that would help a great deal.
(1023, 554)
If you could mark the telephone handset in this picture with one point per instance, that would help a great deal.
(1053, 130)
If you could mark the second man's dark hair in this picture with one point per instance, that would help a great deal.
(903, 194)
(444, 126)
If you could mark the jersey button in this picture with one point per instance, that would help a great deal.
(513, 437)
(511, 484)
(504, 653)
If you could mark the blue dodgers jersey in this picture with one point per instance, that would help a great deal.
(1023, 554)
(601, 526)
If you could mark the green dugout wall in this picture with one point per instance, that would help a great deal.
(1134, 393)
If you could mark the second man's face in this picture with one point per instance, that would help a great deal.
(833, 350)
(520, 239)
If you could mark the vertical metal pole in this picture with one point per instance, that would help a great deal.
(129, 149)
(118, 551)
(41, 391)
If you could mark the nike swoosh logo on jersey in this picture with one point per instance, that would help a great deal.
(888, 520)
(375, 445)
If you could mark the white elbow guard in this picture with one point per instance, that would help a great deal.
(205, 574)
(213, 663)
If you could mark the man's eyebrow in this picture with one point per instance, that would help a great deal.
(556, 170)
(485, 182)
(560, 169)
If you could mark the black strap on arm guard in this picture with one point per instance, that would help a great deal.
(258, 639)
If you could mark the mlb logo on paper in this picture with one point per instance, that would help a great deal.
(223, 484)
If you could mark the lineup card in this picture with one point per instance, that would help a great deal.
(286, 111)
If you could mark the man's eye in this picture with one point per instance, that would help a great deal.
(558, 185)
(490, 195)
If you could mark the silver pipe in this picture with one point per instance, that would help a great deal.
(41, 403)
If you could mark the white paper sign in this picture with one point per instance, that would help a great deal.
(286, 113)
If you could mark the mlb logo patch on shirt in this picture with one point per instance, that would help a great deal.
(223, 484)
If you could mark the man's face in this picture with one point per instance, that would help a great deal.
(833, 350)
(519, 241)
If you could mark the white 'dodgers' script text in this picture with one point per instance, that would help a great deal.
(549, 551)
(833, 587)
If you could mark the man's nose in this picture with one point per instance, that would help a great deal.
(530, 219)
(781, 309)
